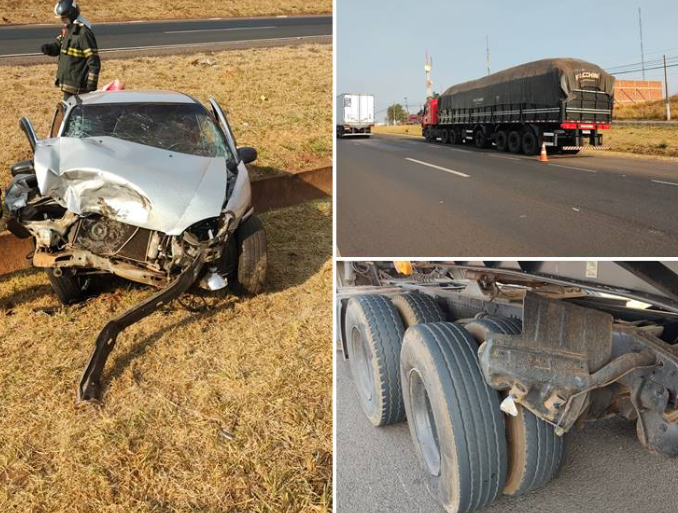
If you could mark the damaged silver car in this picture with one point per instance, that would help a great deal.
(146, 185)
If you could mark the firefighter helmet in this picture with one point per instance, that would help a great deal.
(68, 9)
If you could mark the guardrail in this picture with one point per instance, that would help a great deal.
(268, 193)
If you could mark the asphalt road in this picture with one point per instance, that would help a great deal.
(26, 40)
(606, 469)
(401, 196)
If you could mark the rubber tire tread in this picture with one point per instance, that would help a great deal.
(384, 334)
(545, 449)
(417, 309)
(252, 257)
(477, 420)
(65, 287)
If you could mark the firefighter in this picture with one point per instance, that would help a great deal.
(79, 64)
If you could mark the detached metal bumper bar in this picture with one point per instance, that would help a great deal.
(90, 382)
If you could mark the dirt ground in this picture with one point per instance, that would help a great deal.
(278, 100)
(225, 410)
(39, 11)
(645, 141)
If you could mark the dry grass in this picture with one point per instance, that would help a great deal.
(228, 410)
(40, 11)
(279, 100)
(655, 110)
(647, 141)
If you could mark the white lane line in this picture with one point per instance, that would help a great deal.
(665, 183)
(216, 30)
(463, 175)
(577, 168)
(502, 157)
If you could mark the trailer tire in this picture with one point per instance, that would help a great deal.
(417, 309)
(530, 143)
(535, 452)
(374, 334)
(428, 135)
(502, 140)
(252, 257)
(454, 417)
(515, 142)
(445, 136)
(69, 288)
(480, 139)
(454, 136)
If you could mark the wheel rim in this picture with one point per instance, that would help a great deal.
(362, 365)
(424, 423)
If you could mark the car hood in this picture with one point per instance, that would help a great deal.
(130, 182)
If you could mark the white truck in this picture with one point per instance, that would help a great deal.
(355, 114)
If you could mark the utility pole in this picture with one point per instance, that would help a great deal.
(429, 81)
(642, 49)
(666, 86)
(487, 52)
(393, 113)
(407, 108)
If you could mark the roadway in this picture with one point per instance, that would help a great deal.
(400, 196)
(25, 40)
(606, 469)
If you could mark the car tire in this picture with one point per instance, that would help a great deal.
(502, 140)
(530, 143)
(69, 288)
(417, 309)
(535, 452)
(454, 417)
(252, 257)
(374, 334)
(515, 142)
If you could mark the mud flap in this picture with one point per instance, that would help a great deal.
(90, 382)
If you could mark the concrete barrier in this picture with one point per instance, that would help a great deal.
(267, 194)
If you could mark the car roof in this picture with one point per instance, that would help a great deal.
(131, 96)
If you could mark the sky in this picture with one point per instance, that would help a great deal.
(380, 44)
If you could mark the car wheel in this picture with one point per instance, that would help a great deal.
(252, 257)
(374, 334)
(69, 288)
(535, 452)
(454, 417)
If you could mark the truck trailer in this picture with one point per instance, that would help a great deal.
(493, 363)
(564, 104)
(355, 114)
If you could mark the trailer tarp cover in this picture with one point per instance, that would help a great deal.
(544, 83)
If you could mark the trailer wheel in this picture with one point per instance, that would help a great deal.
(515, 142)
(535, 452)
(480, 139)
(417, 309)
(445, 136)
(502, 140)
(530, 145)
(454, 136)
(374, 334)
(454, 417)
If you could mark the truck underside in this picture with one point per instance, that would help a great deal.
(549, 344)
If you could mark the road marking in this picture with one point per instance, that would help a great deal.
(502, 157)
(216, 30)
(464, 175)
(665, 183)
(577, 168)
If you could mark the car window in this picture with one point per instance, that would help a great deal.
(183, 128)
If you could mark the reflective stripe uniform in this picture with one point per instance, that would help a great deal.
(79, 63)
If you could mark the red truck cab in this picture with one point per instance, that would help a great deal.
(430, 117)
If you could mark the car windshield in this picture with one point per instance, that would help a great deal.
(184, 128)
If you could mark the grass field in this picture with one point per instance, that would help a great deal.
(648, 141)
(655, 110)
(40, 11)
(226, 410)
(279, 100)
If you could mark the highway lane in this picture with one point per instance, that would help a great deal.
(26, 40)
(399, 196)
(605, 469)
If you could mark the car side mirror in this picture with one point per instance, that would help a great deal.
(28, 129)
(247, 154)
(23, 168)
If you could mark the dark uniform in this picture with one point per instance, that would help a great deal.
(79, 63)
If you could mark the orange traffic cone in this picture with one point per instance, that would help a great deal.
(543, 157)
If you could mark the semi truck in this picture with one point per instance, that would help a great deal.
(564, 104)
(493, 363)
(355, 114)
